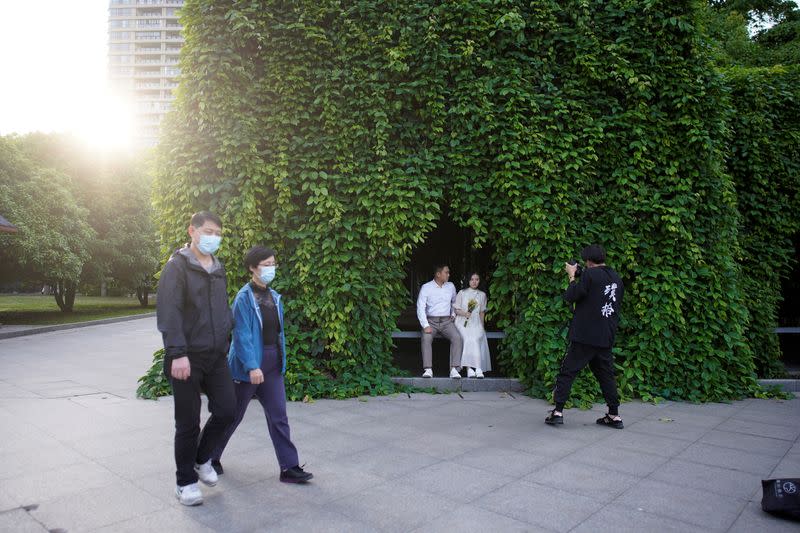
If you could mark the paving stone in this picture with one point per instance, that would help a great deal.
(641, 442)
(121, 444)
(714, 479)
(673, 430)
(747, 443)
(96, 507)
(761, 429)
(766, 416)
(689, 418)
(388, 461)
(788, 467)
(553, 509)
(138, 463)
(331, 443)
(729, 458)
(393, 506)
(439, 445)
(506, 461)
(38, 486)
(552, 442)
(38, 457)
(20, 521)
(170, 519)
(332, 481)
(471, 519)
(621, 460)
(578, 478)
(697, 507)
(400, 463)
(319, 521)
(618, 519)
(244, 509)
(455, 481)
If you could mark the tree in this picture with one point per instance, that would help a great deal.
(52, 244)
(108, 198)
(115, 189)
(133, 237)
(753, 33)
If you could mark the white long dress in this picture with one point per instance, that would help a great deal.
(476, 348)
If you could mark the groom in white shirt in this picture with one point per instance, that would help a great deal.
(435, 314)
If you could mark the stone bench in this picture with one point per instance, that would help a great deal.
(418, 335)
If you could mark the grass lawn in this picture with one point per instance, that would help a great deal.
(38, 310)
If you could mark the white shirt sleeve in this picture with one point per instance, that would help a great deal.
(452, 299)
(422, 301)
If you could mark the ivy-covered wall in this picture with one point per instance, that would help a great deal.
(339, 131)
(764, 161)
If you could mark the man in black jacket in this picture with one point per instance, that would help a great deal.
(597, 297)
(195, 322)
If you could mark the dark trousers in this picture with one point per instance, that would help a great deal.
(272, 396)
(601, 363)
(209, 374)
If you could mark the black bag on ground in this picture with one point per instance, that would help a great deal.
(781, 497)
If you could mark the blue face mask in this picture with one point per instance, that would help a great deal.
(209, 244)
(266, 274)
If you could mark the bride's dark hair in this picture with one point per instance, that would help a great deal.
(469, 277)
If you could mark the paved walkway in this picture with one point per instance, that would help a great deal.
(80, 453)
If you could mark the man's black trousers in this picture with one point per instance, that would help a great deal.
(209, 374)
(601, 363)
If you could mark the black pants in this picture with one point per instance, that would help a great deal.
(209, 374)
(601, 363)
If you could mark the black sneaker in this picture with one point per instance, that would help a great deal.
(295, 475)
(217, 466)
(609, 422)
(554, 419)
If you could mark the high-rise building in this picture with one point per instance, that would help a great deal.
(144, 42)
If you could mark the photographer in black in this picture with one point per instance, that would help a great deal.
(597, 295)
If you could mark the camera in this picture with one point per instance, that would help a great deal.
(578, 270)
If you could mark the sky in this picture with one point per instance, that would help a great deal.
(54, 57)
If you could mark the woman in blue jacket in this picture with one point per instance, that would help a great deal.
(258, 361)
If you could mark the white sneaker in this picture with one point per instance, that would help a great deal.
(428, 373)
(454, 373)
(189, 494)
(470, 372)
(206, 473)
(479, 373)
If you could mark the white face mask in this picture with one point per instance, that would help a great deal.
(208, 244)
(266, 274)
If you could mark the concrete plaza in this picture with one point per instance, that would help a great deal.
(79, 452)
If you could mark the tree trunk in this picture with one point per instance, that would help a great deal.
(64, 292)
(69, 296)
(58, 293)
(142, 293)
(103, 289)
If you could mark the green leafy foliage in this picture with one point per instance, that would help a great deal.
(764, 161)
(339, 132)
(154, 383)
(54, 234)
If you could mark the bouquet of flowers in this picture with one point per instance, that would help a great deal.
(471, 305)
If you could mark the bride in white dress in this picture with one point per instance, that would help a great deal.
(470, 307)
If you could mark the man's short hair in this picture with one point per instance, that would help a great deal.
(438, 267)
(256, 254)
(594, 253)
(201, 217)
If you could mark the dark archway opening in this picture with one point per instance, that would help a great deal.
(789, 315)
(449, 244)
